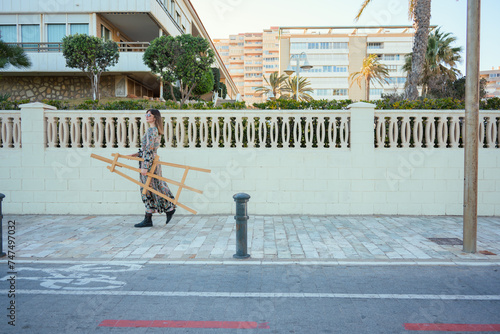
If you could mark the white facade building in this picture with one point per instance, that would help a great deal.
(39, 26)
(336, 52)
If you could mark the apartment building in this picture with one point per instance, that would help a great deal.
(249, 57)
(493, 81)
(39, 26)
(336, 52)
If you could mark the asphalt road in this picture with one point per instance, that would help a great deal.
(131, 297)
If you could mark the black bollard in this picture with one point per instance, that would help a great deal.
(2, 254)
(241, 218)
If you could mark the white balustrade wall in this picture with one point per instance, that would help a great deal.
(316, 162)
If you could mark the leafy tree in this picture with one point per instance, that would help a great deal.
(13, 55)
(219, 86)
(420, 12)
(183, 59)
(92, 55)
(206, 84)
(456, 89)
(371, 69)
(440, 62)
(289, 89)
(275, 84)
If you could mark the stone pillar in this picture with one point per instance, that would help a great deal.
(362, 130)
(33, 142)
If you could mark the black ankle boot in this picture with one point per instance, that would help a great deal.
(170, 214)
(147, 222)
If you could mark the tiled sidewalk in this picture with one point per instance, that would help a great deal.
(384, 238)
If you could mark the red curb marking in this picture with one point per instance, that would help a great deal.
(183, 324)
(454, 327)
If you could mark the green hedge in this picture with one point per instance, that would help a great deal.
(436, 104)
(123, 105)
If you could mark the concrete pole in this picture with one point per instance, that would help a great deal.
(471, 125)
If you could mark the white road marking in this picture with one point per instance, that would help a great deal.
(254, 262)
(258, 295)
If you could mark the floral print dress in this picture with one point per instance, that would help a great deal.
(154, 203)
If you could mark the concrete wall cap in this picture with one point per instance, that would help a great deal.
(37, 105)
(362, 105)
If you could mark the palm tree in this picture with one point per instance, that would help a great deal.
(290, 89)
(274, 85)
(440, 61)
(420, 12)
(372, 69)
(14, 55)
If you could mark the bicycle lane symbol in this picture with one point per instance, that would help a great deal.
(89, 277)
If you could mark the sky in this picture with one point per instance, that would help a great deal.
(222, 18)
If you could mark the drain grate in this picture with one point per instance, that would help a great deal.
(447, 241)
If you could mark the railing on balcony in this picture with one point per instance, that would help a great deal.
(57, 47)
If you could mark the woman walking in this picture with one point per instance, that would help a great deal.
(149, 145)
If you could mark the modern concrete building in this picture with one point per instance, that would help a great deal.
(336, 52)
(493, 78)
(249, 57)
(38, 26)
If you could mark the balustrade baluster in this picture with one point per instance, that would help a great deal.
(297, 132)
(320, 132)
(332, 132)
(273, 132)
(481, 132)
(454, 132)
(192, 132)
(285, 131)
(63, 132)
(442, 131)
(51, 131)
(238, 132)
(262, 132)
(226, 132)
(121, 131)
(75, 134)
(86, 132)
(204, 133)
(251, 132)
(215, 132)
(110, 131)
(98, 131)
(309, 132)
(405, 132)
(344, 132)
(16, 132)
(418, 131)
(393, 131)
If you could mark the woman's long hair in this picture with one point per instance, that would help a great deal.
(158, 119)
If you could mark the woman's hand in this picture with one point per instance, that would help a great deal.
(144, 171)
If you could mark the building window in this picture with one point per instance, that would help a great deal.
(376, 92)
(55, 33)
(323, 92)
(377, 45)
(30, 33)
(8, 33)
(77, 28)
(172, 7)
(340, 92)
(105, 33)
(392, 68)
(340, 45)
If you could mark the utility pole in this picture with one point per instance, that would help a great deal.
(471, 125)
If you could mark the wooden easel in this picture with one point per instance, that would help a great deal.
(114, 163)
